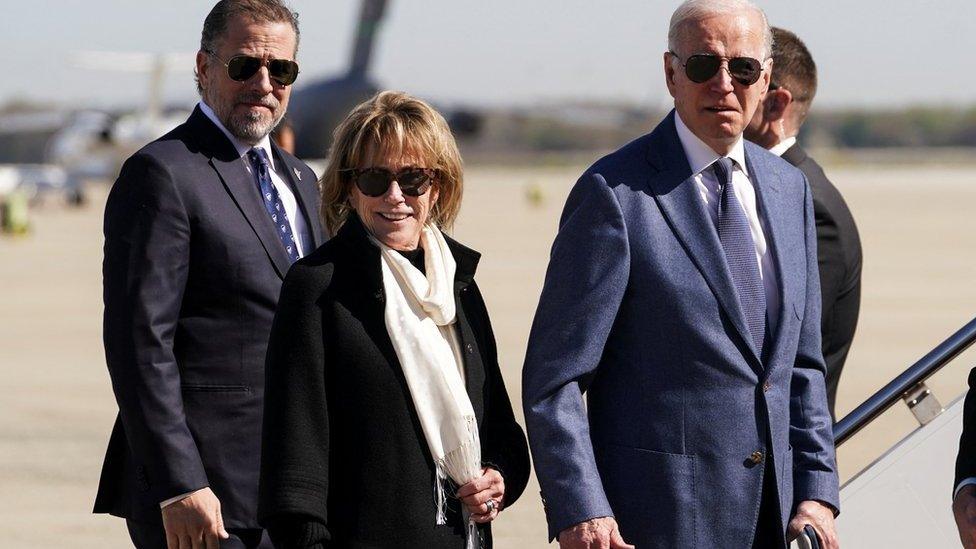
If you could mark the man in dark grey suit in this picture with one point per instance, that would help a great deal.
(200, 228)
(682, 296)
(775, 126)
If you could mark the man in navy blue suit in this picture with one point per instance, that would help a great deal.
(200, 228)
(683, 298)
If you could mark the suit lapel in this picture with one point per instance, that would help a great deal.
(306, 192)
(243, 189)
(240, 185)
(766, 180)
(677, 195)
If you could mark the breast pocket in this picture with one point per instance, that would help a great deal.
(653, 496)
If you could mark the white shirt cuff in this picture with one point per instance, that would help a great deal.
(962, 484)
(188, 494)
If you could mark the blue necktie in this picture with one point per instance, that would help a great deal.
(740, 254)
(272, 202)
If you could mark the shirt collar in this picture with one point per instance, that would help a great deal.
(242, 148)
(783, 146)
(700, 155)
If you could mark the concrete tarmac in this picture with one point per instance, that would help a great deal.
(56, 404)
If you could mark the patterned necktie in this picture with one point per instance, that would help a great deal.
(740, 254)
(272, 202)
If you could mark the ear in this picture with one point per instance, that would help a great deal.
(669, 73)
(776, 103)
(202, 65)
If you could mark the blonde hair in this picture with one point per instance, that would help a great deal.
(392, 123)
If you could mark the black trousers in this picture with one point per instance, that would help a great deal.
(151, 535)
(770, 533)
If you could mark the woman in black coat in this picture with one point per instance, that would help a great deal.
(348, 450)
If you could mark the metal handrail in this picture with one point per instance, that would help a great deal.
(917, 373)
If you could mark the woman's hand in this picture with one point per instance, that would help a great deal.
(476, 495)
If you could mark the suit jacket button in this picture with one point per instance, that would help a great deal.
(767, 386)
(469, 347)
(756, 457)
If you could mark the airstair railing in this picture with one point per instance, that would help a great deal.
(909, 386)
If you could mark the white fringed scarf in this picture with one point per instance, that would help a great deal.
(420, 315)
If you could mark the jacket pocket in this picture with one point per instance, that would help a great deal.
(653, 495)
(214, 388)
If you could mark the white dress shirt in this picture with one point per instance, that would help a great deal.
(299, 226)
(783, 146)
(700, 158)
(962, 484)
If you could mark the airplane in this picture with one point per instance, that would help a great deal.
(58, 150)
(317, 108)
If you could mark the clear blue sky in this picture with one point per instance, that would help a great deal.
(871, 53)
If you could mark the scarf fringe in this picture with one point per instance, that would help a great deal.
(474, 536)
(459, 462)
(439, 483)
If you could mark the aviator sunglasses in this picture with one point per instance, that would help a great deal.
(241, 68)
(376, 181)
(703, 66)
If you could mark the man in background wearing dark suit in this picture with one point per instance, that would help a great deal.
(200, 228)
(775, 126)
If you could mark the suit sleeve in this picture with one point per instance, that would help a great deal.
(830, 258)
(811, 433)
(839, 258)
(294, 483)
(503, 444)
(147, 250)
(585, 283)
(966, 459)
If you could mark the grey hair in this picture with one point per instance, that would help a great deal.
(693, 10)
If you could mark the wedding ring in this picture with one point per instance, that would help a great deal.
(490, 504)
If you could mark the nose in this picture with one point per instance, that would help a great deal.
(722, 81)
(394, 195)
(262, 81)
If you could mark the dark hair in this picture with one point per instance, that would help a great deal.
(794, 69)
(262, 11)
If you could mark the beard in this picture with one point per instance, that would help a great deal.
(250, 127)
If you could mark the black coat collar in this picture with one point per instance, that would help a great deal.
(795, 155)
(213, 143)
(355, 243)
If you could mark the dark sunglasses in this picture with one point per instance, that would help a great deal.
(701, 67)
(376, 181)
(241, 68)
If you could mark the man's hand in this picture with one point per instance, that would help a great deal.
(476, 494)
(194, 522)
(818, 515)
(598, 533)
(964, 509)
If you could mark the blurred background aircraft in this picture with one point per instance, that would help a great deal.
(317, 108)
(51, 149)
(56, 149)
